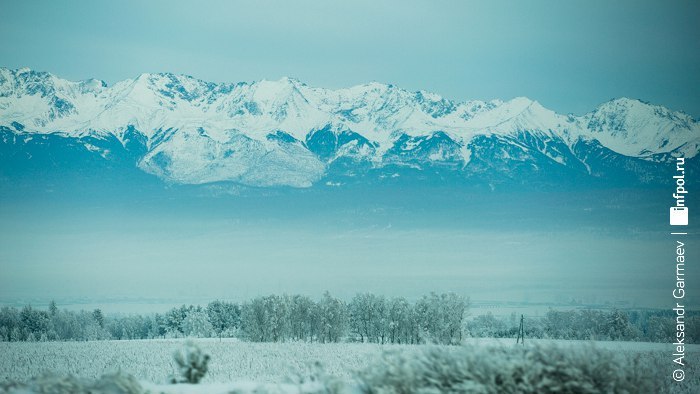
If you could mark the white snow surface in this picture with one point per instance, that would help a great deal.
(240, 367)
(211, 124)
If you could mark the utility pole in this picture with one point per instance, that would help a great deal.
(521, 331)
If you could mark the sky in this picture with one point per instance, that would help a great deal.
(570, 56)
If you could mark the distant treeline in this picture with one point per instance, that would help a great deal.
(585, 324)
(434, 318)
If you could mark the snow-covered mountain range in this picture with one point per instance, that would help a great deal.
(285, 133)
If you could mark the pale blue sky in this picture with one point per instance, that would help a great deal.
(569, 55)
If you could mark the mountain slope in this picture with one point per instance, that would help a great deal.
(285, 133)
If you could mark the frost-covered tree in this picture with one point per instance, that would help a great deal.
(158, 328)
(332, 314)
(265, 319)
(15, 335)
(488, 326)
(618, 326)
(175, 317)
(53, 309)
(277, 317)
(66, 325)
(93, 332)
(33, 320)
(560, 324)
(692, 327)
(441, 317)
(9, 318)
(380, 326)
(224, 316)
(399, 320)
(303, 318)
(129, 327)
(196, 324)
(99, 317)
(454, 310)
(89, 329)
(254, 320)
(437, 318)
(589, 323)
(660, 329)
(364, 316)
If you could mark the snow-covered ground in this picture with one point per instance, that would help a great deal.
(152, 360)
(239, 366)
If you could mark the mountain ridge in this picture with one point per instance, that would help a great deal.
(286, 133)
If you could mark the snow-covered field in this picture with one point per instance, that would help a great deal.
(152, 360)
(241, 366)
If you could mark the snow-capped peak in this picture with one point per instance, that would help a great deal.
(636, 128)
(154, 102)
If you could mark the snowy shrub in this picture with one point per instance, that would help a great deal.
(116, 383)
(192, 364)
(414, 368)
(316, 380)
(509, 370)
(49, 383)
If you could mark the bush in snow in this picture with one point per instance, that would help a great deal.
(316, 380)
(509, 370)
(117, 383)
(192, 364)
